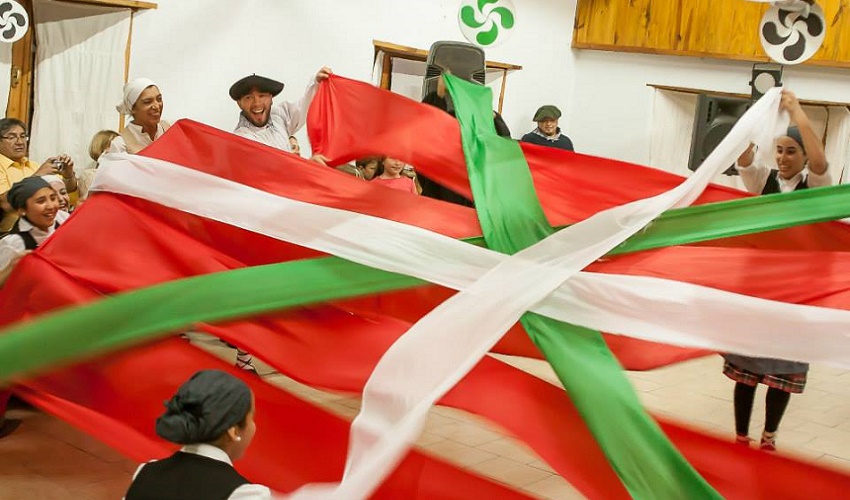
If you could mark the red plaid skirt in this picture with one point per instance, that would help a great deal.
(788, 382)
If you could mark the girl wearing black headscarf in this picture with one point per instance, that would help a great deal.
(799, 163)
(37, 205)
(799, 158)
(212, 415)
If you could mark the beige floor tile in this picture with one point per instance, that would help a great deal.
(510, 472)
(510, 448)
(554, 488)
(466, 433)
(461, 454)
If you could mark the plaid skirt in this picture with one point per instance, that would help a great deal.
(788, 382)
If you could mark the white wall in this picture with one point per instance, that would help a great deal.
(195, 49)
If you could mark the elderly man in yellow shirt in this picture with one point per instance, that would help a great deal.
(14, 166)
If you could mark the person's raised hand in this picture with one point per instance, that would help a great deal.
(323, 74)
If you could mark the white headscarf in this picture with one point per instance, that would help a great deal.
(52, 178)
(132, 90)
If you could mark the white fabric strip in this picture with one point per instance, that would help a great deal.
(647, 308)
(390, 425)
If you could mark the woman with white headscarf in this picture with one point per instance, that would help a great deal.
(143, 103)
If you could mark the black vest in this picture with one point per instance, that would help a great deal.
(29, 241)
(772, 184)
(185, 476)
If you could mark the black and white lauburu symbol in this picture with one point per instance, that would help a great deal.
(792, 31)
(13, 21)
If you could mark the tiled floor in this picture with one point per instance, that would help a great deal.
(46, 459)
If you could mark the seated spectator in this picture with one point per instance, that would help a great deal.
(547, 132)
(59, 186)
(212, 416)
(294, 146)
(99, 144)
(15, 166)
(143, 103)
(392, 176)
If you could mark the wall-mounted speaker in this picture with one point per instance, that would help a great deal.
(714, 118)
(463, 60)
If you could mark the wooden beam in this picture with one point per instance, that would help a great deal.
(414, 54)
(132, 4)
(686, 90)
(502, 91)
(386, 71)
(127, 64)
(20, 91)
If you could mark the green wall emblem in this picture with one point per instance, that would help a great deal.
(486, 22)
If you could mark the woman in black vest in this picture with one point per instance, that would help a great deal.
(37, 205)
(212, 415)
(799, 160)
(798, 149)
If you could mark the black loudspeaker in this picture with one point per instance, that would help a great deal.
(462, 60)
(714, 119)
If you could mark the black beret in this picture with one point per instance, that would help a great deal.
(243, 86)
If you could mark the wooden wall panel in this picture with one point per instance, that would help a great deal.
(726, 29)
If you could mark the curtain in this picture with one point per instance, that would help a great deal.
(838, 143)
(79, 75)
(5, 79)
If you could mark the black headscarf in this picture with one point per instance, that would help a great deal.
(794, 133)
(22, 190)
(204, 407)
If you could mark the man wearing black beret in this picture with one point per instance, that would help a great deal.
(262, 120)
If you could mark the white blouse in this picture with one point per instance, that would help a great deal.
(12, 245)
(133, 139)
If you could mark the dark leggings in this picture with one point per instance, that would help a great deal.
(775, 404)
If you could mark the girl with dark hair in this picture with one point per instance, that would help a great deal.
(212, 416)
(800, 163)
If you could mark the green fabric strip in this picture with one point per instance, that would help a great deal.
(512, 219)
(130, 318)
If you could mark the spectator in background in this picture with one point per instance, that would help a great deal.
(547, 132)
(294, 146)
(272, 124)
(800, 163)
(58, 185)
(99, 144)
(212, 416)
(370, 167)
(15, 166)
(392, 176)
(143, 103)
